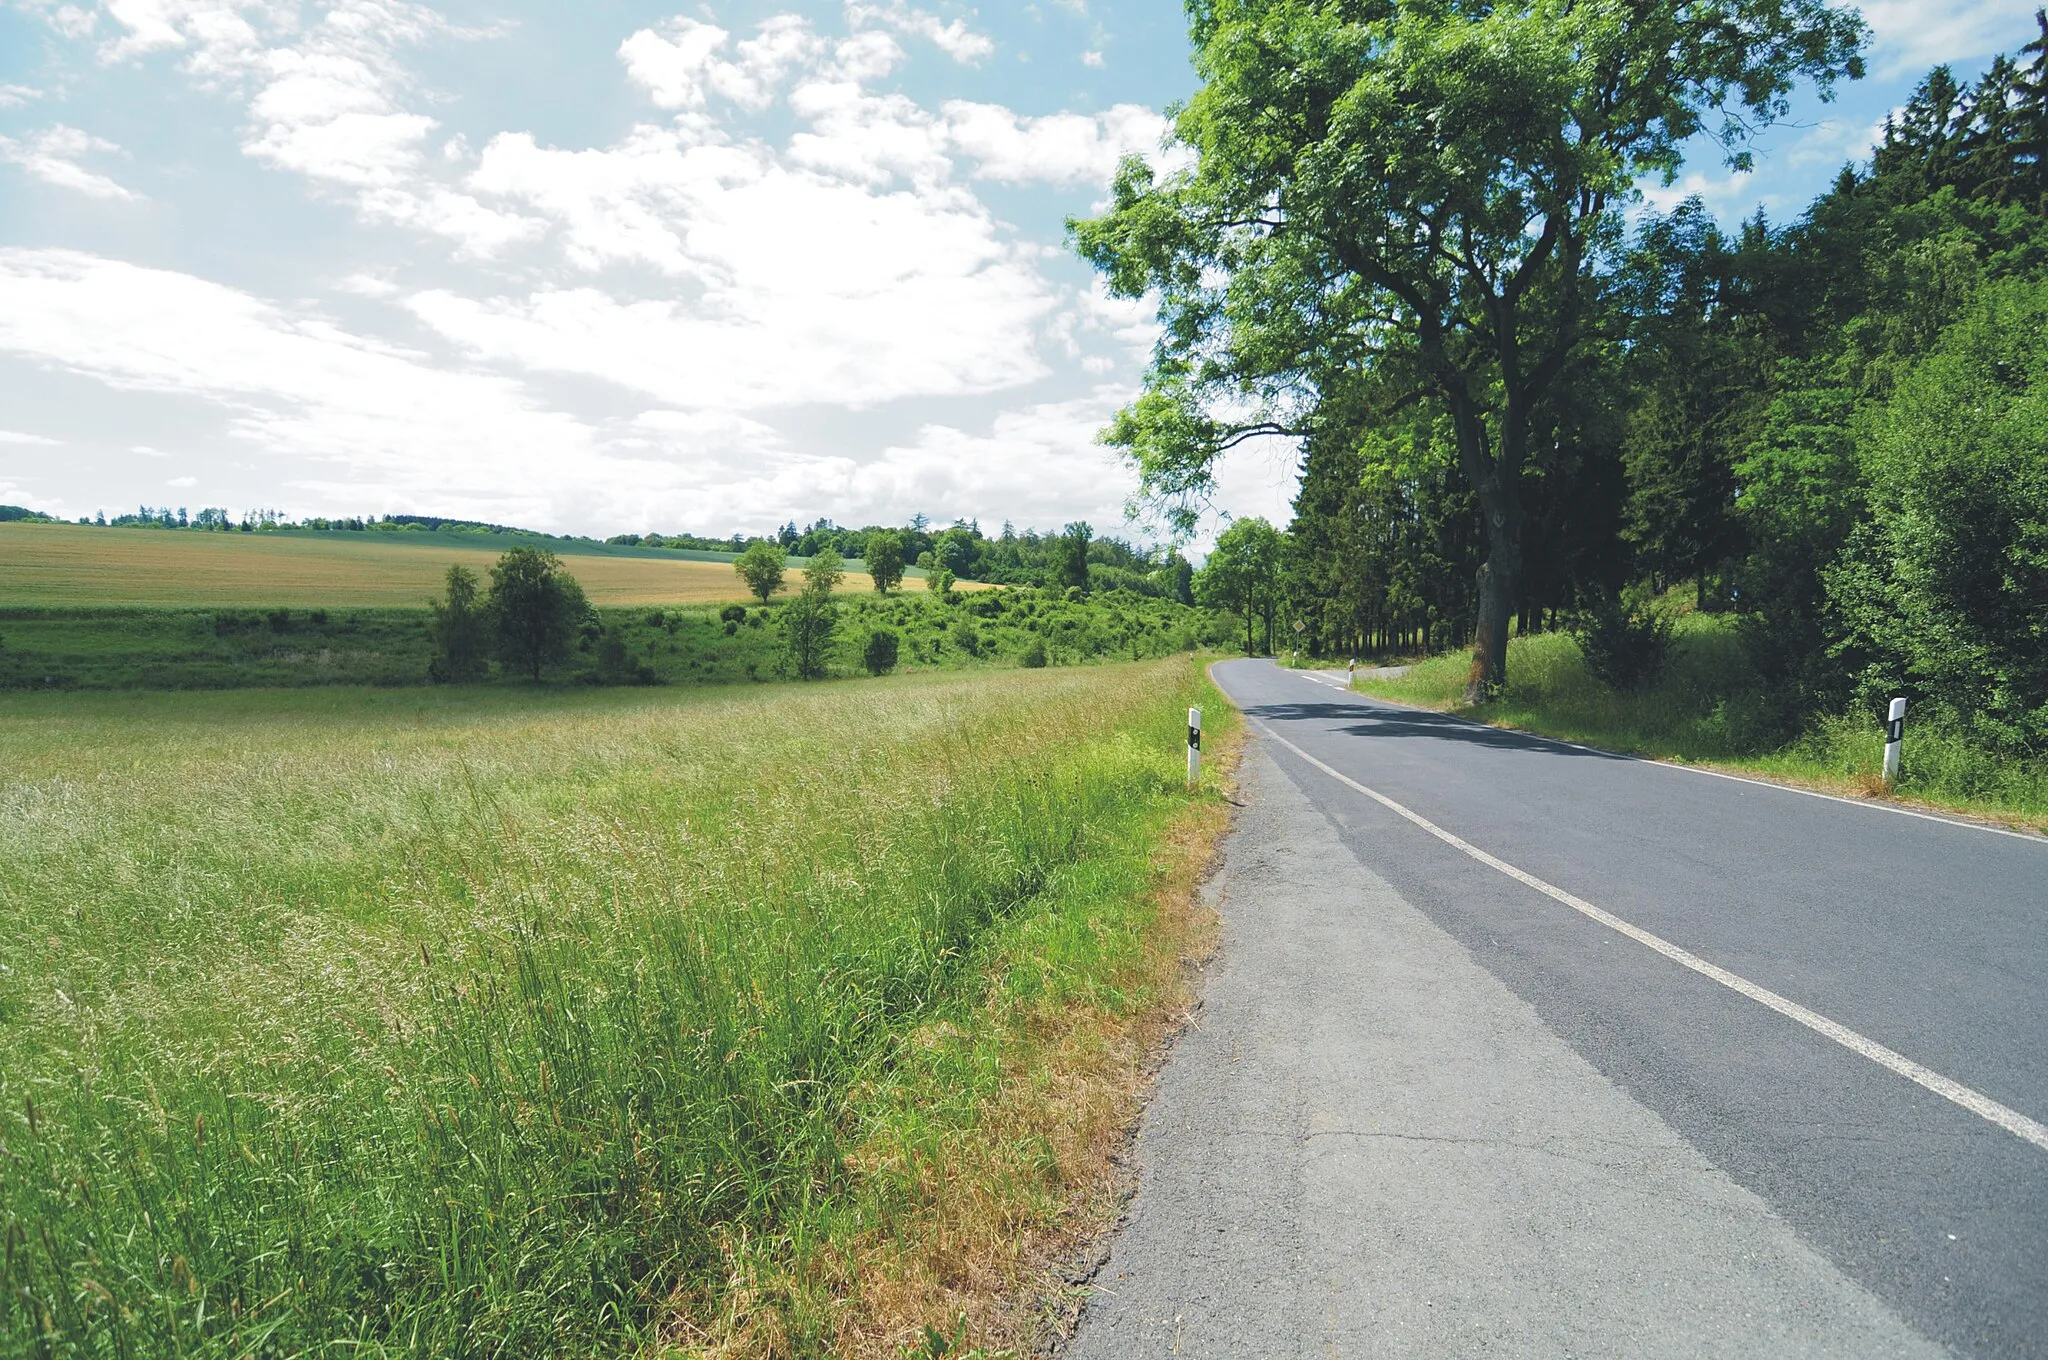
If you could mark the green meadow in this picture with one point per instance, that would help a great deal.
(511, 1022)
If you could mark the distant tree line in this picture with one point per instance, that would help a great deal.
(1073, 558)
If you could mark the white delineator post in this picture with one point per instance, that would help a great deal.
(1894, 734)
(1194, 747)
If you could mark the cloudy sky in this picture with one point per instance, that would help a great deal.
(617, 266)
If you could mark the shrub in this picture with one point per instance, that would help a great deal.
(614, 662)
(1625, 647)
(733, 613)
(1945, 587)
(1034, 657)
(879, 655)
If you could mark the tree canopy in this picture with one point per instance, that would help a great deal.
(1410, 204)
(534, 607)
(761, 567)
(459, 642)
(884, 557)
(1242, 575)
(1818, 427)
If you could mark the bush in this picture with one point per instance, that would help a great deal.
(1625, 648)
(879, 655)
(616, 665)
(1945, 587)
(733, 613)
(1034, 656)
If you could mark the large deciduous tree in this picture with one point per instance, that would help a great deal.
(1422, 192)
(1243, 575)
(761, 567)
(884, 557)
(535, 608)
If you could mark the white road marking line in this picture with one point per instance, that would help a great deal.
(2011, 1120)
(1701, 769)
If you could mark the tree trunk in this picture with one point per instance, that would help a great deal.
(1499, 577)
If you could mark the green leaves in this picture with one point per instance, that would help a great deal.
(761, 567)
(1421, 187)
(1947, 586)
(535, 608)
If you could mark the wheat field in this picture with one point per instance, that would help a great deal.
(69, 564)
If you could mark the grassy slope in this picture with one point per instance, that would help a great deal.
(144, 648)
(1698, 714)
(69, 564)
(141, 648)
(499, 1022)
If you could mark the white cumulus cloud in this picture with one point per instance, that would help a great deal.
(52, 156)
(953, 37)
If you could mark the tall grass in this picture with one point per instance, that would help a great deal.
(466, 1025)
(1706, 708)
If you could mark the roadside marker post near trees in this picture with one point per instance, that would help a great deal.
(1194, 747)
(1894, 736)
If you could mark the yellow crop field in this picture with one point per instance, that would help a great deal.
(69, 564)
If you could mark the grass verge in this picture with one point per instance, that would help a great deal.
(1703, 712)
(782, 1022)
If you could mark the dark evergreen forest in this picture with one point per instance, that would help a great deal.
(1832, 430)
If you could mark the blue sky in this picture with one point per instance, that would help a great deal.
(621, 266)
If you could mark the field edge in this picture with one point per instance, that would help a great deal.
(1021, 1206)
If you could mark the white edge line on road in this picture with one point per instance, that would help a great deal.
(2011, 1120)
(1696, 769)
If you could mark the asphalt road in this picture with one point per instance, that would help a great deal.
(1430, 1110)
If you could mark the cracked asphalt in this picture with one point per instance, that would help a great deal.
(1427, 1111)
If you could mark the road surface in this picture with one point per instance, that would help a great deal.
(1446, 1096)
